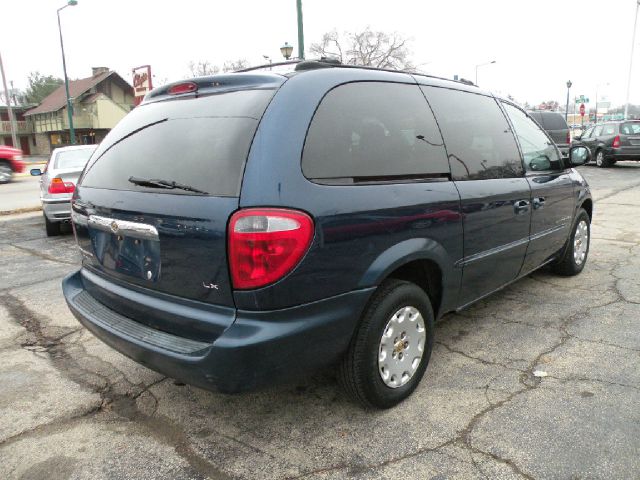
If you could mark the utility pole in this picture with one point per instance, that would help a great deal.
(566, 112)
(633, 44)
(12, 120)
(72, 133)
(300, 31)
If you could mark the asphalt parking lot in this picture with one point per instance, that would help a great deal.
(541, 380)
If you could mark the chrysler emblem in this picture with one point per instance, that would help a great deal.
(114, 227)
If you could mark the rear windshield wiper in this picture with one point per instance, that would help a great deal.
(168, 184)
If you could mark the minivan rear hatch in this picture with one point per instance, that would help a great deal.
(151, 208)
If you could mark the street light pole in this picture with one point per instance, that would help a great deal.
(300, 31)
(72, 132)
(566, 112)
(12, 120)
(633, 44)
(482, 65)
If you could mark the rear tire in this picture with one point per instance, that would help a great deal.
(577, 249)
(6, 172)
(601, 161)
(383, 365)
(52, 228)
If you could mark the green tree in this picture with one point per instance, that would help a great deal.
(40, 86)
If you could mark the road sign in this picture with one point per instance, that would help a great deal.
(582, 109)
(582, 99)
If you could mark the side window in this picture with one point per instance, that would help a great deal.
(588, 133)
(538, 151)
(597, 131)
(479, 141)
(367, 131)
(609, 130)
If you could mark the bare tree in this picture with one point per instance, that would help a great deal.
(232, 66)
(367, 48)
(202, 68)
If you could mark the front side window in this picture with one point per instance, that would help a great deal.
(373, 131)
(538, 151)
(479, 141)
(597, 131)
(588, 133)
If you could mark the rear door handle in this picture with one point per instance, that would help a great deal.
(521, 206)
(538, 202)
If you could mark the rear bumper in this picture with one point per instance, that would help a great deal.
(257, 349)
(56, 210)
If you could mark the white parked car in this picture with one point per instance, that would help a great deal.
(58, 181)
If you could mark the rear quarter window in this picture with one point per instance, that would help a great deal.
(370, 131)
(200, 142)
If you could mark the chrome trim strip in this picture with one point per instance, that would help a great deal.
(549, 231)
(487, 253)
(124, 227)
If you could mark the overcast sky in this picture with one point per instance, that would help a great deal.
(538, 44)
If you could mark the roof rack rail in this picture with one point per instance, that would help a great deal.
(268, 65)
(329, 62)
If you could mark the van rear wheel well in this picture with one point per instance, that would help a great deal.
(427, 275)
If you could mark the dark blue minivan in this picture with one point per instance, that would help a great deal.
(245, 229)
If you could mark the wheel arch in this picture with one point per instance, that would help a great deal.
(420, 261)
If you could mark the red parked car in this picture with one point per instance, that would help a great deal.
(10, 163)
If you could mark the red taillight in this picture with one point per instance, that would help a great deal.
(265, 244)
(185, 87)
(616, 142)
(569, 137)
(57, 185)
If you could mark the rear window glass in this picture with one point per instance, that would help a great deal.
(199, 142)
(373, 131)
(72, 159)
(553, 121)
(630, 128)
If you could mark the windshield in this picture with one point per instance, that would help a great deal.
(69, 159)
(199, 142)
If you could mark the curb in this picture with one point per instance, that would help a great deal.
(20, 210)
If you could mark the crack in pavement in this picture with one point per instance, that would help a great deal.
(68, 362)
(44, 256)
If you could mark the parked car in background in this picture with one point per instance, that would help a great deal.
(612, 141)
(557, 128)
(10, 163)
(58, 181)
(245, 229)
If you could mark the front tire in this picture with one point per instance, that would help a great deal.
(577, 249)
(392, 346)
(52, 228)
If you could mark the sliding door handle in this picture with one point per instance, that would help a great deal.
(521, 206)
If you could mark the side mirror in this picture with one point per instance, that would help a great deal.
(579, 155)
(540, 163)
(36, 172)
